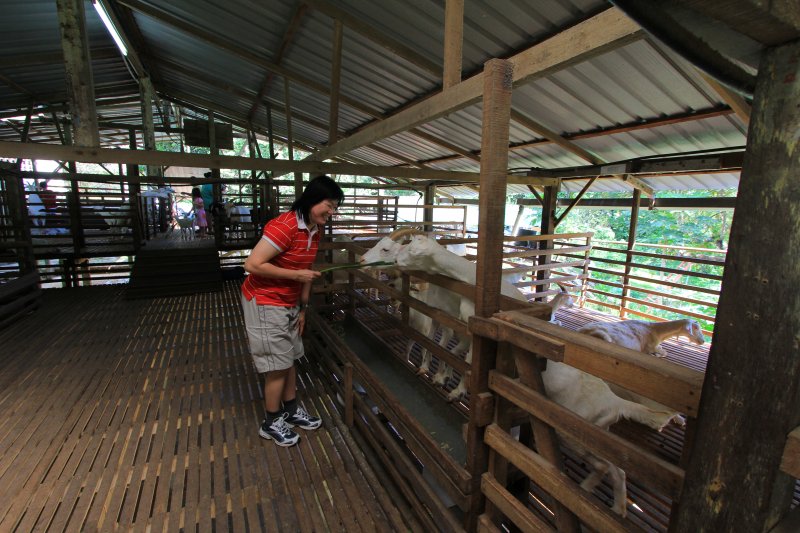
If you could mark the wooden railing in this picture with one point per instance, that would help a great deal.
(656, 282)
(530, 340)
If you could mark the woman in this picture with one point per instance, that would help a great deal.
(275, 298)
(198, 206)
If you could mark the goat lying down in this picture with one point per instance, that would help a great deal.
(644, 336)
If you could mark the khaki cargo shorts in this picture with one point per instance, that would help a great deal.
(273, 336)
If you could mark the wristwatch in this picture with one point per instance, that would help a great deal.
(303, 307)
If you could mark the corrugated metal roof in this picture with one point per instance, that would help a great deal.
(197, 51)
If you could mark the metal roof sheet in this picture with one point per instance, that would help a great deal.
(199, 65)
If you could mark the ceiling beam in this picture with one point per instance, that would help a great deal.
(376, 36)
(554, 137)
(605, 31)
(247, 55)
(637, 183)
(150, 157)
(770, 23)
(277, 58)
(453, 42)
(158, 158)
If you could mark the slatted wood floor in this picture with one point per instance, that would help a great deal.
(143, 415)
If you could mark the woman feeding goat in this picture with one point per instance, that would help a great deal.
(274, 300)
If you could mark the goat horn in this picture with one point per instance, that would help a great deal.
(397, 234)
(563, 289)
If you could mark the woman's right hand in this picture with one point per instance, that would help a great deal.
(305, 276)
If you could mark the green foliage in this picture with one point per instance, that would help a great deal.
(671, 275)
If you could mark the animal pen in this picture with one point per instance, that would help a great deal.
(128, 397)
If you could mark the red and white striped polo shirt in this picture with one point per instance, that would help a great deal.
(297, 245)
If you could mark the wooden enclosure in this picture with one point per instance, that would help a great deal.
(634, 97)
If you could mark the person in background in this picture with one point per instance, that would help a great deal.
(48, 197)
(207, 192)
(275, 299)
(199, 211)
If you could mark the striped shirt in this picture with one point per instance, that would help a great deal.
(297, 247)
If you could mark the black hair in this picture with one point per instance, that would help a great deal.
(318, 190)
(196, 192)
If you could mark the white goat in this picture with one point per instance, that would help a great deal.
(562, 299)
(585, 394)
(424, 253)
(386, 250)
(644, 336)
(591, 398)
(36, 210)
(238, 217)
(186, 224)
(605, 403)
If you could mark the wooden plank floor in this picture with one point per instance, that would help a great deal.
(143, 415)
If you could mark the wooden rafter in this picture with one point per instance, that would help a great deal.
(453, 42)
(376, 36)
(336, 76)
(248, 55)
(277, 58)
(608, 30)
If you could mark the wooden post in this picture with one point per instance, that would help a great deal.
(149, 134)
(549, 203)
(216, 188)
(298, 176)
(637, 196)
(751, 390)
(134, 188)
(272, 209)
(80, 85)
(336, 74)
(497, 77)
(427, 212)
(453, 42)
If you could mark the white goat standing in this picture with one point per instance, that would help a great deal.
(591, 398)
(386, 250)
(585, 394)
(424, 253)
(562, 299)
(238, 216)
(186, 224)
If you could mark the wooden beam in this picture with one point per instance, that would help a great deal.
(554, 137)
(608, 30)
(742, 428)
(376, 36)
(80, 85)
(103, 155)
(494, 146)
(336, 75)
(736, 102)
(770, 23)
(288, 37)
(638, 184)
(453, 42)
